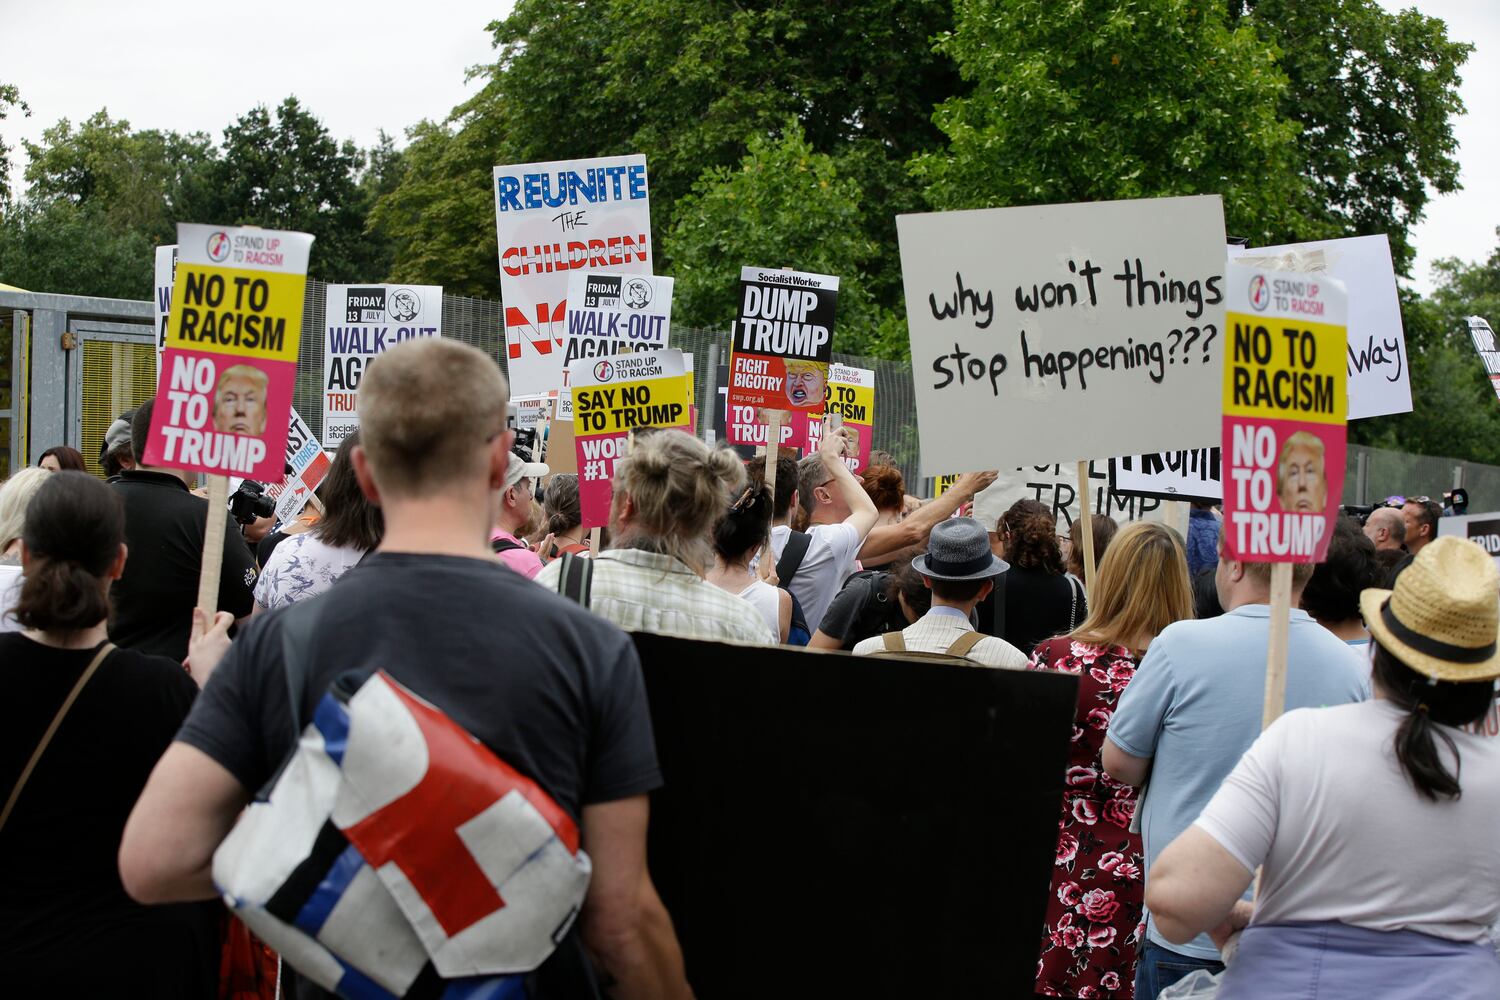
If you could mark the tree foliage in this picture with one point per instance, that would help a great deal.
(1376, 93)
(784, 204)
(10, 100)
(1124, 99)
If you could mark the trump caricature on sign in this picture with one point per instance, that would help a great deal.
(240, 401)
(805, 383)
(1301, 481)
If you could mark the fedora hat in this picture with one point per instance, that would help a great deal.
(1442, 618)
(959, 549)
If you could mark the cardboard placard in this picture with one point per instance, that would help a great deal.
(161, 299)
(552, 219)
(309, 468)
(616, 313)
(1285, 402)
(1484, 342)
(1056, 487)
(877, 766)
(1054, 332)
(224, 394)
(360, 322)
(850, 394)
(1377, 364)
(781, 345)
(612, 396)
(1170, 475)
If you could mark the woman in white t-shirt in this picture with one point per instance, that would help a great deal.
(1380, 870)
(738, 537)
(305, 565)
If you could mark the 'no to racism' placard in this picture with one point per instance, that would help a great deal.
(224, 396)
(552, 219)
(781, 346)
(1285, 406)
(362, 321)
(1064, 331)
(851, 396)
(616, 313)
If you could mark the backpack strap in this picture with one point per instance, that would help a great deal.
(791, 557)
(299, 623)
(499, 545)
(894, 642)
(964, 643)
(575, 582)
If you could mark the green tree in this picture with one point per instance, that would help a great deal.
(10, 99)
(70, 249)
(1468, 289)
(1376, 93)
(1124, 99)
(783, 205)
(288, 173)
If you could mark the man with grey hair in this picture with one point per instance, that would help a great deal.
(1386, 528)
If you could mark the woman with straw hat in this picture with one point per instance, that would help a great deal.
(1374, 822)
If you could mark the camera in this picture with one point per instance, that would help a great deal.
(249, 503)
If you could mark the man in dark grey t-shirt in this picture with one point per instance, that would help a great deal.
(552, 690)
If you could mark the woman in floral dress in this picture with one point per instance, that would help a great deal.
(1094, 912)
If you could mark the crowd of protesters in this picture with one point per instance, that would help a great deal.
(428, 521)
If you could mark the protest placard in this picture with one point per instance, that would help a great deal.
(612, 396)
(1481, 529)
(850, 396)
(1171, 475)
(1056, 487)
(552, 219)
(781, 346)
(360, 322)
(1064, 330)
(1484, 342)
(309, 467)
(161, 299)
(616, 313)
(1379, 376)
(225, 390)
(1285, 400)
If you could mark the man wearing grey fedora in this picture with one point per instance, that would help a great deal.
(960, 571)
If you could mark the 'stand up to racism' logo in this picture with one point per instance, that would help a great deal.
(1260, 293)
(218, 246)
(604, 371)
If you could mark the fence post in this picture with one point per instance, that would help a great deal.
(710, 395)
(1458, 476)
(1362, 477)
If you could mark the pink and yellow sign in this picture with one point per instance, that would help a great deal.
(850, 397)
(1285, 414)
(613, 395)
(224, 392)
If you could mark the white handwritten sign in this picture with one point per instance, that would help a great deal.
(1065, 330)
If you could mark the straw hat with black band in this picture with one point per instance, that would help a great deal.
(1443, 616)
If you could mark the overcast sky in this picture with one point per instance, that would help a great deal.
(361, 67)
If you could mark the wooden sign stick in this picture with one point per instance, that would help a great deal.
(594, 540)
(773, 451)
(213, 545)
(1281, 621)
(1088, 529)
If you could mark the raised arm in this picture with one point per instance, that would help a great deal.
(862, 509)
(885, 542)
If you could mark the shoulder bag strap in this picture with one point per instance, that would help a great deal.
(575, 581)
(36, 755)
(1073, 587)
(791, 557)
(894, 642)
(964, 643)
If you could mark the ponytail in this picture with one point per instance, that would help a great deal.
(60, 595)
(1431, 705)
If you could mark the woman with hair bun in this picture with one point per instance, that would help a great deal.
(81, 726)
(670, 489)
(738, 538)
(1035, 599)
(1372, 823)
(564, 518)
